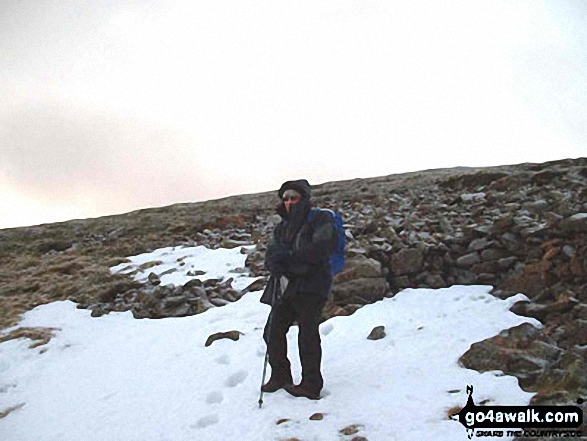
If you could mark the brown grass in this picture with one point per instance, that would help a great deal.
(4, 413)
(40, 336)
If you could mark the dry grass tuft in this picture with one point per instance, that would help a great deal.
(40, 336)
(453, 411)
(4, 413)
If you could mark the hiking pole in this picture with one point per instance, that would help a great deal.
(269, 321)
(263, 380)
(266, 356)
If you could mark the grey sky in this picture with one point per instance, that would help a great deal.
(114, 106)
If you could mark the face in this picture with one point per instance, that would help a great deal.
(289, 198)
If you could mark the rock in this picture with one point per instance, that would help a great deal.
(257, 285)
(281, 421)
(568, 373)
(232, 335)
(193, 283)
(98, 311)
(174, 302)
(406, 261)
(211, 282)
(377, 333)
(217, 301)
(366, 290)
(479, 244)
(317, 416)
(569, 251)
(580, 311)
(359, 267)
(545, 177)
(464, 277)
(351, 430)
(154, 279)
(139, 312)
(513, 351)
(490, 267)
(493, 254)
(468, 260)
(576, 223)
(574, 333)
(541, 311)
(431, 280)
(230, 243)
(506, 262)
(181, 310)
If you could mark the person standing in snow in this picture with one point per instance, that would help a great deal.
(298, 260)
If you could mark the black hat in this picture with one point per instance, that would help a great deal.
(301, 186)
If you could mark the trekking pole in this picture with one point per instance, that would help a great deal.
(266, 357)
(273, 304)
(263, 380)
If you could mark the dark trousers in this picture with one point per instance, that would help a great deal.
(306, 310)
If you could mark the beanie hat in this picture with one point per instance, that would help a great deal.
(302, 186)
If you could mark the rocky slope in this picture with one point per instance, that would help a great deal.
(521, 228)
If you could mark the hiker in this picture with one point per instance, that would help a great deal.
(298, 260)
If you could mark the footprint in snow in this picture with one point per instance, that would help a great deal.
(236, 379)
(215, 397)
(326, 329)
(223, 359)
(206, 421)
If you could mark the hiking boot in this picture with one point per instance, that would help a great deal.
(302, 391)
(276, 383)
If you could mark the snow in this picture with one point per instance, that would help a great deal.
(217, 264)
(118, 378)
(467, 197)
(579, 216)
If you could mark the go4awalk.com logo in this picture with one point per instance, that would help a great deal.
(527, 421)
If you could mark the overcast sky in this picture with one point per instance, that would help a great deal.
(111, 106)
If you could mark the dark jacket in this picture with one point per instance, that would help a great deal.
(310, 244)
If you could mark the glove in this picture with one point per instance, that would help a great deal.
(278, 258)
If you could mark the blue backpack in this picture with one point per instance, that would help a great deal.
(338, 257)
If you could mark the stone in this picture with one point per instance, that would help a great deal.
(154, 279)
(493, 254)
(479, 244)
(257, 285)
(433, 280)
(569, 251)
(580, 311)
(468, 260)
(173, 302)
(507, 262)
(351, 430)
(541, 311)
(217, 301)
(407, 261)
(490, 267)
(232, 335)
(465, 277)
(377, 333)
(359, 267)
(177, 311)
(513, 351)
(365, 290)
(192, 283)
(576, 223)
(317, 416)
(402, 282)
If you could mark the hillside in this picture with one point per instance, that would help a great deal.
(519, 228)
